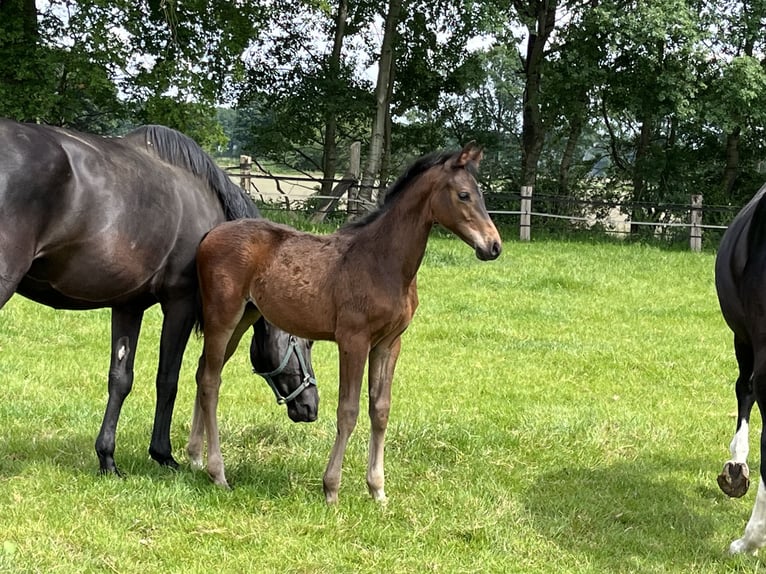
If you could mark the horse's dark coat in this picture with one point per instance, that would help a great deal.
(89, 222)
(740, 277)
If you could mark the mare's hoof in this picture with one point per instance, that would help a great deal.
(165, 460)
(111, 471)
(170, 463)
(734, 479)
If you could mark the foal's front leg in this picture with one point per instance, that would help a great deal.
(381, 374)
(353, 355)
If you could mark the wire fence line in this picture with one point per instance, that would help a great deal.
(595, 215)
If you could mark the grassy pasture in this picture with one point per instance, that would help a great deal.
(563, 409)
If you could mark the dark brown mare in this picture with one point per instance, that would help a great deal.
(356, 287)
(89, 222)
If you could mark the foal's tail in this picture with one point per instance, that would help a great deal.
(199, 325)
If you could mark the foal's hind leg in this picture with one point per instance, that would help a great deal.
(734, 480)
(381, 374)
(126, 326)
(219, 345)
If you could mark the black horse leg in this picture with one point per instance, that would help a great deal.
(178, 320)
(755, 531)
(126, 326)
(734, 480)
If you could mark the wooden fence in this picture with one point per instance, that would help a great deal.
(345, 196)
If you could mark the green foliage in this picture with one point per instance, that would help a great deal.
(198, 121)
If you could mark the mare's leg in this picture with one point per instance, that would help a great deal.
(219, 346)
(353, 356)
(734, 480)
(126, 326)
(382, 364)
(177, 323)
(14, 260)
(755, 531)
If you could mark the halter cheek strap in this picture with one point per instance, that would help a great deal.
(308, 380)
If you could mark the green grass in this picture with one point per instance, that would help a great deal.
(565, 408)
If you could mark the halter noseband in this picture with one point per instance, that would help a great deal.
(308, 380)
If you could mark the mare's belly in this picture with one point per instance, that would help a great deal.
(91, 279)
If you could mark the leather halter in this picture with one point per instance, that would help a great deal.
(308, 380)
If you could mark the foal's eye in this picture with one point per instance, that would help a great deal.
(463, 195)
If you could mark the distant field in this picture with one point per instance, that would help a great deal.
(565, 408)
(268, 189)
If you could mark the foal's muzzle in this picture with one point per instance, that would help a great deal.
(489, 252)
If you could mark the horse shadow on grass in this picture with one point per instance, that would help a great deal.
(635, 515)
(264, 459)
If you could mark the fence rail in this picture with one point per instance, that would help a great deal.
(345, 196)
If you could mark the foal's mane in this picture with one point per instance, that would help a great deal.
(179, 150)
(397, 189)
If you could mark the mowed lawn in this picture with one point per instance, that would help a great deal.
(565, 408)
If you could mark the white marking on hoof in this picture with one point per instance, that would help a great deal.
(755, 531)
(741, 547)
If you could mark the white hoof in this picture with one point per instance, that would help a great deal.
(741, 546)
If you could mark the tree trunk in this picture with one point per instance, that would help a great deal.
(575, 129)
(543, 12)
(639, 181)
(330, 155)
(21, 70)
(382, 103)
(731, 171)
(385, 165)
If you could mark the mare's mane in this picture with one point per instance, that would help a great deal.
(397, 189)
(175, 148)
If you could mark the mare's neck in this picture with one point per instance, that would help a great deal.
(400, 235)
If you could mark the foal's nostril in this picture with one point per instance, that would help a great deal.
(496, 249)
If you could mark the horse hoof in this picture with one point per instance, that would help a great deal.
(170, 463)
(734, 479)
(742, 547)
(331, 498)
(111, 471)
(163, 459)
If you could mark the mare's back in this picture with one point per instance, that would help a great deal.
(101, 220)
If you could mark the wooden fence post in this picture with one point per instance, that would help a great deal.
(245, 163)
(695, 231)
(526, 209)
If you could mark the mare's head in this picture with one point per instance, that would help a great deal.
(458, 203)
(285, 362)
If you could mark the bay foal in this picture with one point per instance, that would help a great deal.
(356, 287)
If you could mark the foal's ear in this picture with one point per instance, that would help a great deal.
(471, 153)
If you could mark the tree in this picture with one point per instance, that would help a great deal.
(52, 72)
(383, 88)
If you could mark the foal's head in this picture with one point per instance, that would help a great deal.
(458, 204)
(285, 362)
